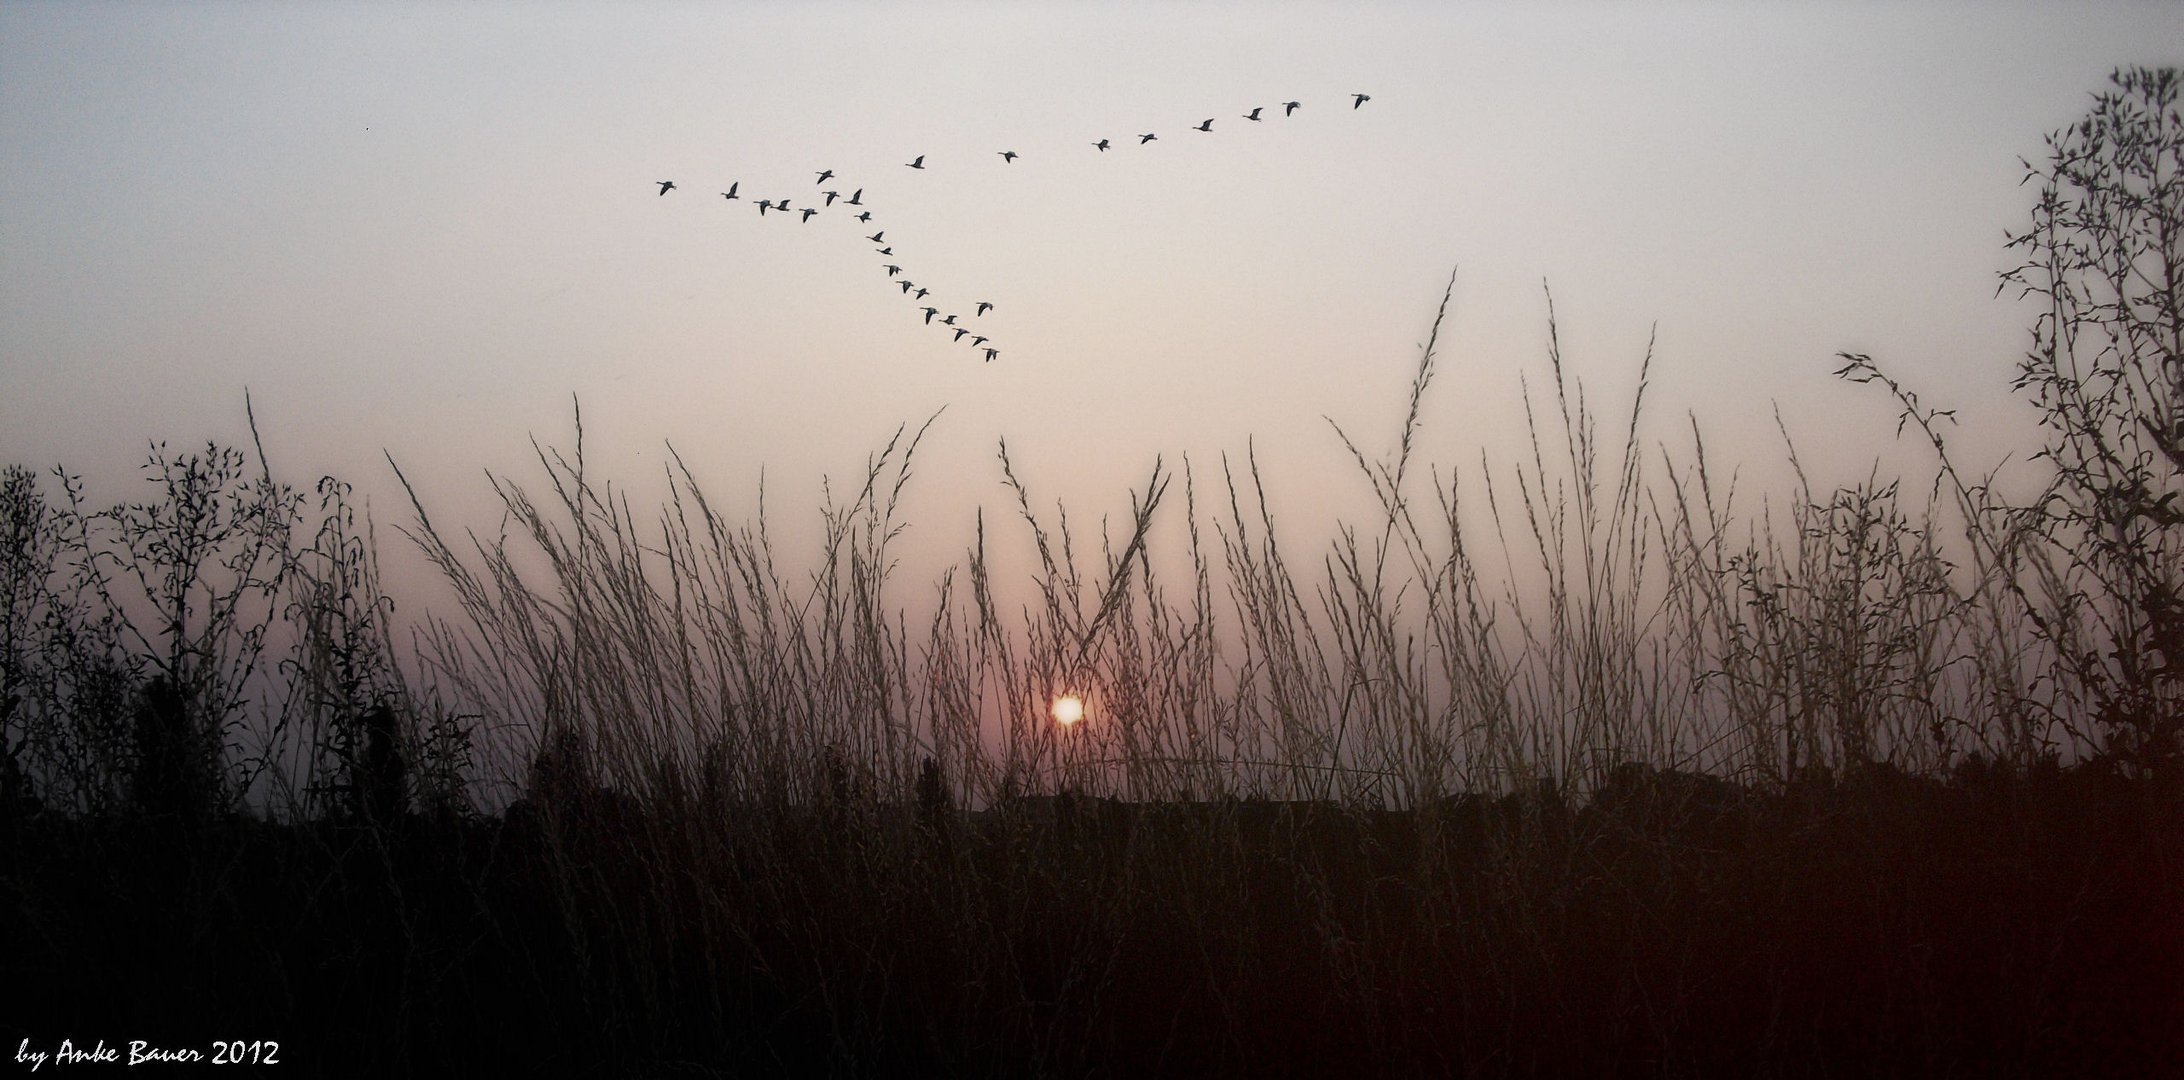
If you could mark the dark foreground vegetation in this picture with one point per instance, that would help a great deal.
(1996, 923)
(1852, 786)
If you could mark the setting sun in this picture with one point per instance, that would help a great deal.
(1068, 709)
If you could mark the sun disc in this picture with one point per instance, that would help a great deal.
(1068, 709)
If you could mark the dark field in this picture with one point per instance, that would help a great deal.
(1994, 924)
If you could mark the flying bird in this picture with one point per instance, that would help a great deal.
(831, 196)
(929, 313)
(892, 269)
(1290, 107)
(907, 286)
(782, 205)
(921, 296)
(808, 212)
(1207, 126)
(977, 341)
(985, 306)
(731, 192)
(1008, 157)
(1361, 99)
(826, 175)
(885, 250)
(763, 206)
(950, 320)
(919, 163)
(1101, 146)
(878, 237)
(960, 331)
(665, 186)
(991, 353)
(857, 198)
(866, 216)
(1143, 139)
(1253, 114)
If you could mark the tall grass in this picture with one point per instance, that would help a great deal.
(744, 800)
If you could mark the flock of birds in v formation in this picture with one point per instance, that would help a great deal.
(918, 293)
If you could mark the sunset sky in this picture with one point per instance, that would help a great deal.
(421, 228)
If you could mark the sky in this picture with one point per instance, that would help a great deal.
(425, 229)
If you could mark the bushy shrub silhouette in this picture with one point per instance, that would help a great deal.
(2104, 256)
(177, 774)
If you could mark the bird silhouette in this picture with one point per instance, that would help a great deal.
(960, 331)
(1254, 113)
(808, 212)
(1143, 139)
(919, 163)
(929, 313)
(856, 198)
(1207, 126)
(892, 269)
(782, 205)
(826, 175)
(763, 206)
(950, 320)
(977, 341)
(991, 353)
(831, 196)
(866, 216)
(1290, 107)
(665, 186)
(1101, 146)
(1008, 157)
(984, 306)
(886, 251)
(1361, 99)
(731, 192)
(921, 296)
(878, 237)
(907, 286)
